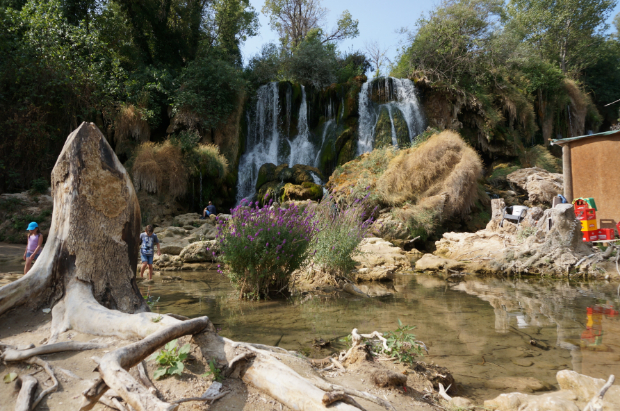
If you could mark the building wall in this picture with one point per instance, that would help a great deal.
(595, 169)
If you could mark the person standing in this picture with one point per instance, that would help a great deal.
(34, 247)
(148, 240)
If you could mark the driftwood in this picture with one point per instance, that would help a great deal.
(331, 397)
(17, 355)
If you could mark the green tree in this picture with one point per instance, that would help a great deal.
(295, 19)
(565, 31)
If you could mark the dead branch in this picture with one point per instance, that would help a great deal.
(144, 378)
(325, 386)
(331, 397)
(11, 355)
(337, 363)
(596, 403)
(93, 394)
(212, 399)
(26, 393)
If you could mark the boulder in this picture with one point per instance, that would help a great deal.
(198, 252)
(522, 384)
(390, 229)
(379, 260)
(299, 168)
(540, 185)
(190, 219)
(266, 173)
(173, 247)
(430, 262)
(555, 401)
(304, 191)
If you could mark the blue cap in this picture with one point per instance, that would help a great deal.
(32, 226)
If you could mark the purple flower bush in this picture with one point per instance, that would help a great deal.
(261, 246)
(341, 228)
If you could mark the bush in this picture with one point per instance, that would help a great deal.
(340, 231)
(39, 186)
(159, 168)
(261, 247)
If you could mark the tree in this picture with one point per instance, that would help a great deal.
(294, 19)
(565, 31)
(377, 56)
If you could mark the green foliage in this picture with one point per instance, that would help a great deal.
(214, 371)
(39, 185)
(341, 229)
(313, 62)
(403, 345)
(170, 359)
(10, 204)
(150, 302)
(157, 319)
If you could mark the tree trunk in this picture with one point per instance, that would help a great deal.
(94, 232)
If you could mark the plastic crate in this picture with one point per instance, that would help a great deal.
(590, 235)
(585, 214)
(606, 234)
(589, 225)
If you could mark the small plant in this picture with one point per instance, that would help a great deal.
(214, 371)
(261, 246)
(340, 231)
(170, 359)
(157, 319)
(403, 345)
(150, 302)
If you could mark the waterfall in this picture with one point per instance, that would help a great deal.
(262, 140)
(396, 94)
(302, 150)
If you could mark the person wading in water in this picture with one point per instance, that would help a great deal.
(34, 247)
(148, 240)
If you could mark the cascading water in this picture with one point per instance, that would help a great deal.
(397, 94)
(262, 140)
(302, 150)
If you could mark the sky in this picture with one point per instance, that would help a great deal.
(378, 22)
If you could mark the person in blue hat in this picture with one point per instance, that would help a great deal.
(34, 247)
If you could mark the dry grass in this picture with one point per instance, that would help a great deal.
(578, 108)
(129, 125)
(210, 161)
(158, 168)
(442, 166)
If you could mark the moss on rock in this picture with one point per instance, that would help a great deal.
(304, 191)
(383, 129)
(266, 173)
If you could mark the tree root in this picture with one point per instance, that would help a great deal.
(50, 372)
(26, 393)
(146, 381)
(331, 397)
(12, 355)
(326, 386)
(114, 364)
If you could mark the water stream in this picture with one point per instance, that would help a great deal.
(480, 329)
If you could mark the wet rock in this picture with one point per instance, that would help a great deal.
(197, 252)
(266, 173)
(540, 185)
(303, 191)
(430, 262)
(190, 220)
(522, 384)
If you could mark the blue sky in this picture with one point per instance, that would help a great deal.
(378, 21)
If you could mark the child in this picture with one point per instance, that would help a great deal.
(34, 247)
(148, 240)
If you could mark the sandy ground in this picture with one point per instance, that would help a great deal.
(23, 326)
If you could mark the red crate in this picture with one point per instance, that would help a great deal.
(585, 214)
(590, 235)
(607, 234)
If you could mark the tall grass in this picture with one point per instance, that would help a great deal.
(130, 125)
(159, 168)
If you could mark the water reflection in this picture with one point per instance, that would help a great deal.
(479, 328)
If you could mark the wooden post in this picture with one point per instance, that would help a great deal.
(568, 173)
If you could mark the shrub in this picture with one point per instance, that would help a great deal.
(206, 158)
(340, 231)
(39, 186)
(159, 168)
(261, 246)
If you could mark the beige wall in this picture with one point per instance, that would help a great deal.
(595, 169)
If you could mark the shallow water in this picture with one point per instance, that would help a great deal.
(479, 328)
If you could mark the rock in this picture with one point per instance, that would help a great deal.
(414, 255)
(540, 185)
(284, 174)
(302, 173)
(269, 191)
(266, 173)
(191, 220)
(522, 362)
(585, 388)
(387, 378)
(304, 191)
(390, 229)
(461, 403)
(173, 247)
(197, 252)
(522, 384)
(556, 401)
(430, 262)
(379, 259)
